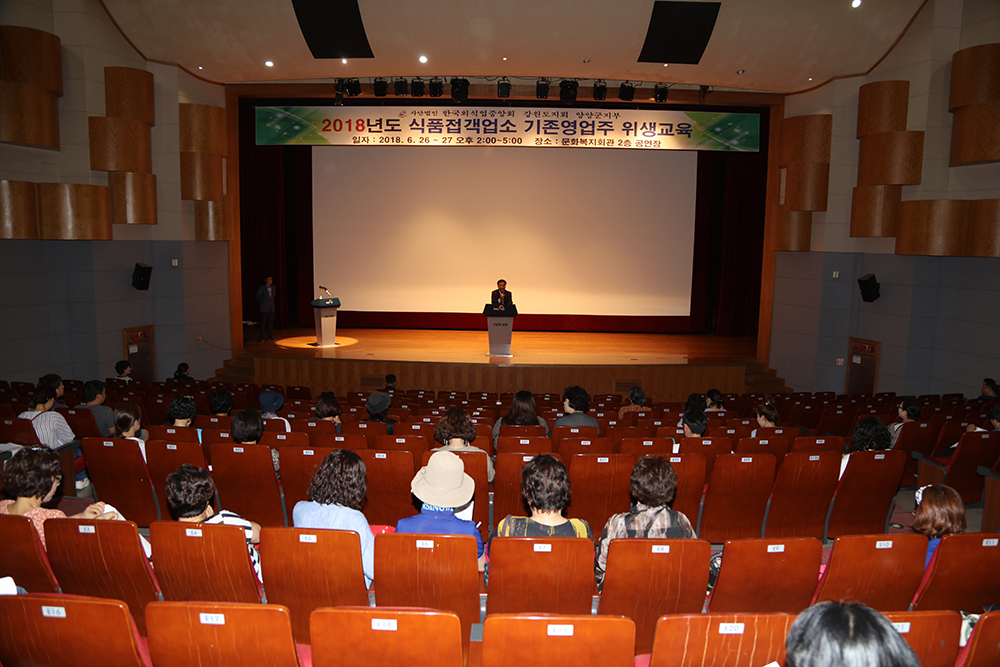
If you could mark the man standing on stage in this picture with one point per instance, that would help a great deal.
(265, 301)
(501, 297)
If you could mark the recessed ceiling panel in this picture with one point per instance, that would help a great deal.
(679, 32)
(333, 28)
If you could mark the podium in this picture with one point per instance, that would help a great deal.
(325, 313)
(500, 324)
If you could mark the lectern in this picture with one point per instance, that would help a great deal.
(500, 323)
(325, 313)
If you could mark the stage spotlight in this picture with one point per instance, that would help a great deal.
(353, 87)
(626, 92)
(436, 87)
(341, 86)
(460, 90)
(542, 89)
(417, 87)
(567, 91)
(338, 100)
(600, 90)
(660, 92)
(380, 86)
(702, 92)
(399, 87)
(503, 87)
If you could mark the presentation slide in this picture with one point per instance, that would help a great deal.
(572, 231)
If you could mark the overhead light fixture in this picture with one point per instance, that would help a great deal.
(740, 71)
(542, 88)
(567, 91)
(660, 92)
(380, 86)
(503, 87)
(810, 78)
(343, 60)
(417, 87)
(353, 87)
(626, 91)
(505, 57)
(856, 3)
(399, 87)
(269, 63)
(200, 67)
(600, 90)
(460, 89)
(666, 64)
(436, 87)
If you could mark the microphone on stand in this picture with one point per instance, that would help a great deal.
(326, 290)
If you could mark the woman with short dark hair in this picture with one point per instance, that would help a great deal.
(939, 512)
(337, 495)
(636, 402)
(181, 412)
(838, 634)
(220, 403)
(455, 432)
(870, 435)
(328, 408)
(522, 413)
(714, 401)
(766, 413)
(545, 491)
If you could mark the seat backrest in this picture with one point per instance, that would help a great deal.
(766, 576)
(962, 574)
(164, 458)
(737, 497)
(777, 446)
(835, 420)
(120, 477)
(648, 578)
(54, 630)
(389, 474)
(219, 634)
(524, 444)
(415, 428)
(619, 433)
(933, 635)
(212, 423)
(554, 640)
(370, 430)
(690, 469)
(880, 571)
(81, 421)
(409, 443)
(102, 559)
(866, 494)
(312, 426)
(527, 430)
(435, 571)
(710, 447)
(172, 433)
(298, 466)
(984, 645)
(648, 446)
(308, 568)
(568, 447)
(22, 556)
(778, 432)
(279, 440)
(601, 487)
(352, 441)
(733, 640)
(812, 445)
(560, 432)
(980, 448)
(806, 415)
(363, 636)
(802, 495)
(916, 437)
(734, 433)
(507, 498)
(246, 483)
(541, 575)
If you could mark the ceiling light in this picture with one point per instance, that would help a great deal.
(460, 90)
(542, 88)
(666, 64)
(503, 87)
(200, 67)
(586, 61)
(626, 92)
(399, 87)
(660, 92)
(740, 71)
(417, 87)
(353, 87)
(269, 63)
(856, 3)
(600, 90)
(505, 57)
(567, 91)
(436, 87)
(343, 60)
(422, 59)
(810, 78)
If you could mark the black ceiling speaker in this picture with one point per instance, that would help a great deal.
(869, 288)
(679, 32)
(141, 275)
(333, 28)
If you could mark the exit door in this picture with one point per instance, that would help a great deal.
(140, 352)
(862, 369)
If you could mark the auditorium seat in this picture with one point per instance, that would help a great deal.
(600, 487)
(569, 447)
(19, 431)
(710, 447)
(102, 559)
(541, 641)
(649, 578)
(816, 444)
(353, 441)
(308, 568)
(806, 415)
(203, 562)
(81, 422)
(246, 483)
(216, 633)
(835, 420)
(417, 444)
(881, 571)
(866, 494)
(120, 477)
(963, 574)
(619, 433)
(933, 635)
(915, 437)
(279, 440)
(164, 458)
(983, 647)
(777, 446)
(541, 575)
(560, 432)
(647, 446)
(22, 556)
(484, 437)
(991, 498)
(362, 636)
(370, 430)
(981, 448)
(737, 497)
(298, 466)
(690, 469)
(298, 392)
(212, 422)
(766, 576)
(475, 467)
(389, 475)
(778, 431)
(734, 433)
(414, 428)
(732, 640)
(522, 431)
(800, 501)
(517, 444)
(172, 433)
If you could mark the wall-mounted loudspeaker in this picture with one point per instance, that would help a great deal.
(141, 275)
(869, 288)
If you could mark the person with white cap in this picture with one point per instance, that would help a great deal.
(445, 490)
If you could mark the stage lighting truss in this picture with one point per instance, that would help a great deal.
(626, 92)
(542, 88)
(380, 86)
(600, 90)
(399, 87)
(567, 91)
(660, 92)
(460, 89)
(436, 87)
(503, 87)
(353, 87)
(417, 87)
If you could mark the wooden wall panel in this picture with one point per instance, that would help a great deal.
(882, 107)
(74, 211)
(984, 237)
(201, 176)
(794, 231)
(18, 210)
(891, 158)
(934, 227)
(874, 209)
(975, 76)
(806, 186)
(128, 93)
(210, 221)
(133, 198)
(806, 139)
(31, 57)
(120, 144)
(28, 115)
(975, 134)
(203, 129)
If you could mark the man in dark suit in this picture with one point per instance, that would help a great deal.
(501, 297)
(265, 301)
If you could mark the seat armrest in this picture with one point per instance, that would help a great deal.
(986, 471)
(923, 459)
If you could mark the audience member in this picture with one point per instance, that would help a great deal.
(124, 370)
(390, 383)
(576, 402)
(990, 388)
(455, 431)
(445, 491)
(181, 412)
(54, 381)
(182, 372)
(695, 402)
(336, 497)
(714, 401)
(246, 428)
(521, 413)
(378, 407)
(939, 512)
(545, 491)
(654, 482)
(839, 634)
(270, 402)
(636, 402)
(908, 411)
(93, 400)
(694, 423)
(128, 422)
(220, 403)
(189, 492)
(992, 419)
(328, 408)
(50, 427)
(870, 435)
(33, 476)
(767, 415)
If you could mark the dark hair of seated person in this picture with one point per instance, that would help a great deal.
(696, 421)
(220, 402)
(122, 366)
(92, 390)
(838, 634)
(715, 397)
(127, 414)
(545, 484)
(30, 472)
(522, 410)
(694, 402)
(341, 478)
(940, 512)
(182, 407)
(247, 427)
(328, 406)
(654, 481)
(871, 435)
(42, 394)
(768, 410)
(636, 396)
(911, 407)
(578, 398)
(455, 424)
(189, 490)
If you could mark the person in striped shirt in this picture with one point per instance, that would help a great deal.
(50, 427)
